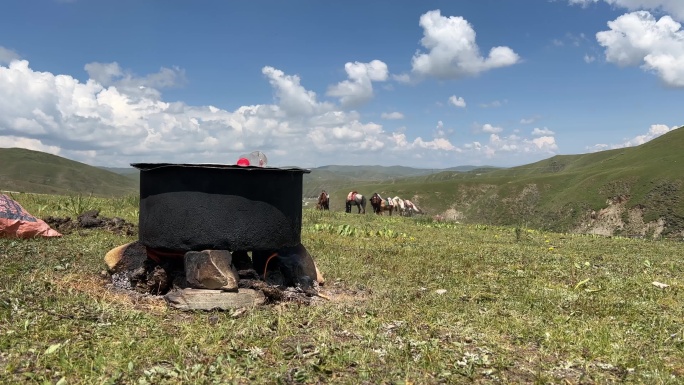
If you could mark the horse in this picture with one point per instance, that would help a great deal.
(399, 205)
(380, 205)
(411, 207)
(354, 198)
(323, 201)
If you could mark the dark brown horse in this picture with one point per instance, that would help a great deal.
(323, 201)
(380, 205)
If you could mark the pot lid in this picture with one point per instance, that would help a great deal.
(152, 166)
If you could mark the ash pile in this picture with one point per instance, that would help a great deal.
(216, 279)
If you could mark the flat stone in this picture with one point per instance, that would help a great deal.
(126, 257)
(211, 269)
(202, 299)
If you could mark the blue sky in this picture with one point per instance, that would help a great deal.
(417, 83)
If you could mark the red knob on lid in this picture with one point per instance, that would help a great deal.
(243, 162)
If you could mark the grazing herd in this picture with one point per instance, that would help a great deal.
(379, 204)
(401, 206)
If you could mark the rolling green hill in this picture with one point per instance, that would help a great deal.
(37, 172)
(558, 193)
(332, 178)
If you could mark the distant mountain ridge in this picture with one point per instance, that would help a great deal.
(334, 176)
(34, 171)
(126, 171)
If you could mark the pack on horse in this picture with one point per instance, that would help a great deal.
(354, 198)
(399, 205)
(411, 208)
(380, 205)
(323, 201)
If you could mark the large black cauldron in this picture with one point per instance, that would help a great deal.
(197, 207)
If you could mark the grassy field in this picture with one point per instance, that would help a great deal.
(411, 302)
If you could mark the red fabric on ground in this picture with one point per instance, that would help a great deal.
(15, 222)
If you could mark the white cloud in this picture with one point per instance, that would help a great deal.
(570, 39)
(441, 131)
(440, 144)
(31, 144)
(589, 58)
(452, 50)
(59, 111)
(494, 104)
(457, 101)
(673, 7)
(355, 136)
(545, 143)
(488, 128)
(402, 78)
(392, 115)
(497, 143)
(111, 74)
(7, 55)
(359, 88)
(109, 125)
(514, 144)
(583, 3)
(117, 124)
(576, 40)
(291, 96)
(542, 132)
(638, 39)
(653, 132)
(598, 147)
(529, 120)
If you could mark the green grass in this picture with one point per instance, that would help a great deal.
(72, 205)
(517, 306)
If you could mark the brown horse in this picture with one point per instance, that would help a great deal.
(323, 201)
(380, 205)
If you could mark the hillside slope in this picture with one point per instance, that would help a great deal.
(332, 178)
(37, 172)
(562, 193)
